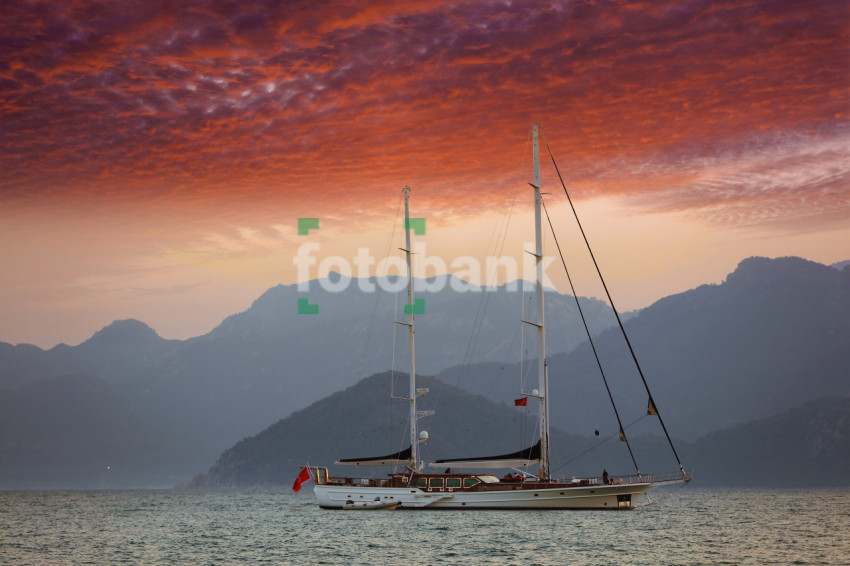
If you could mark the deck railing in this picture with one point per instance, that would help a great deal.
(664, 477)
(321, 476)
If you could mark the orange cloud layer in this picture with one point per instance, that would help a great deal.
(266, 104)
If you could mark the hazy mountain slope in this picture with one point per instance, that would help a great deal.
(807, 446)
(360, 323)
(270, 360)
(774, 334)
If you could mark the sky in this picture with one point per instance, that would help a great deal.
(155, 156)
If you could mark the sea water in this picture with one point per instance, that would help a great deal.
(682, 526)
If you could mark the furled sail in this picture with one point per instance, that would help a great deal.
(402, 457)
(525, 457)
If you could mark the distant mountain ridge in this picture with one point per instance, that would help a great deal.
(115, 353)
(773, 335)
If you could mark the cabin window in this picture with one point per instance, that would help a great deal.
(435, 482)
(453, 482)
(469, 482)
(420, 482)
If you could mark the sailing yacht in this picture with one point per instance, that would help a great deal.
(416, 488)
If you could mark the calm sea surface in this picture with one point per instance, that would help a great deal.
(683, 526)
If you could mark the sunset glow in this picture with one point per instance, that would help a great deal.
(154, 159)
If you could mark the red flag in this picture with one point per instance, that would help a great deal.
(522, 402)
(304, 476)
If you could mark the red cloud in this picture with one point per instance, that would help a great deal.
(215, 103)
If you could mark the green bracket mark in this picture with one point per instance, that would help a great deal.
(307, 224)
(415, 224)
(304, 306)
(418, 307)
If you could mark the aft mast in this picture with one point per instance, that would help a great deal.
(542, 367)
(408, 456)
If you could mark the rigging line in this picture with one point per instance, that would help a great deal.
(484, 302)
(598, 444)
(358, 374)
(591, 449)
(479, 315)
(376, 300)
(522, 348)
(522, 343)
(619, 320)
(534, 430)
(498, 237)
(590, 338)
(395, 300)
(525, 364)
(524, 413)
(395, 346)
(481, 310)
(492, 280)
(498, 248)
(387, 249)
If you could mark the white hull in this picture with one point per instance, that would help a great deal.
(622, 496)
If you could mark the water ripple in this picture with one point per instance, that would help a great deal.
(684, 526)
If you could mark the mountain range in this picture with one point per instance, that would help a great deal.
(774, 334)
(201, 395)
(128, 409)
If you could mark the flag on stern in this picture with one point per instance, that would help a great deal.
(304, 476)
(522, 402)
